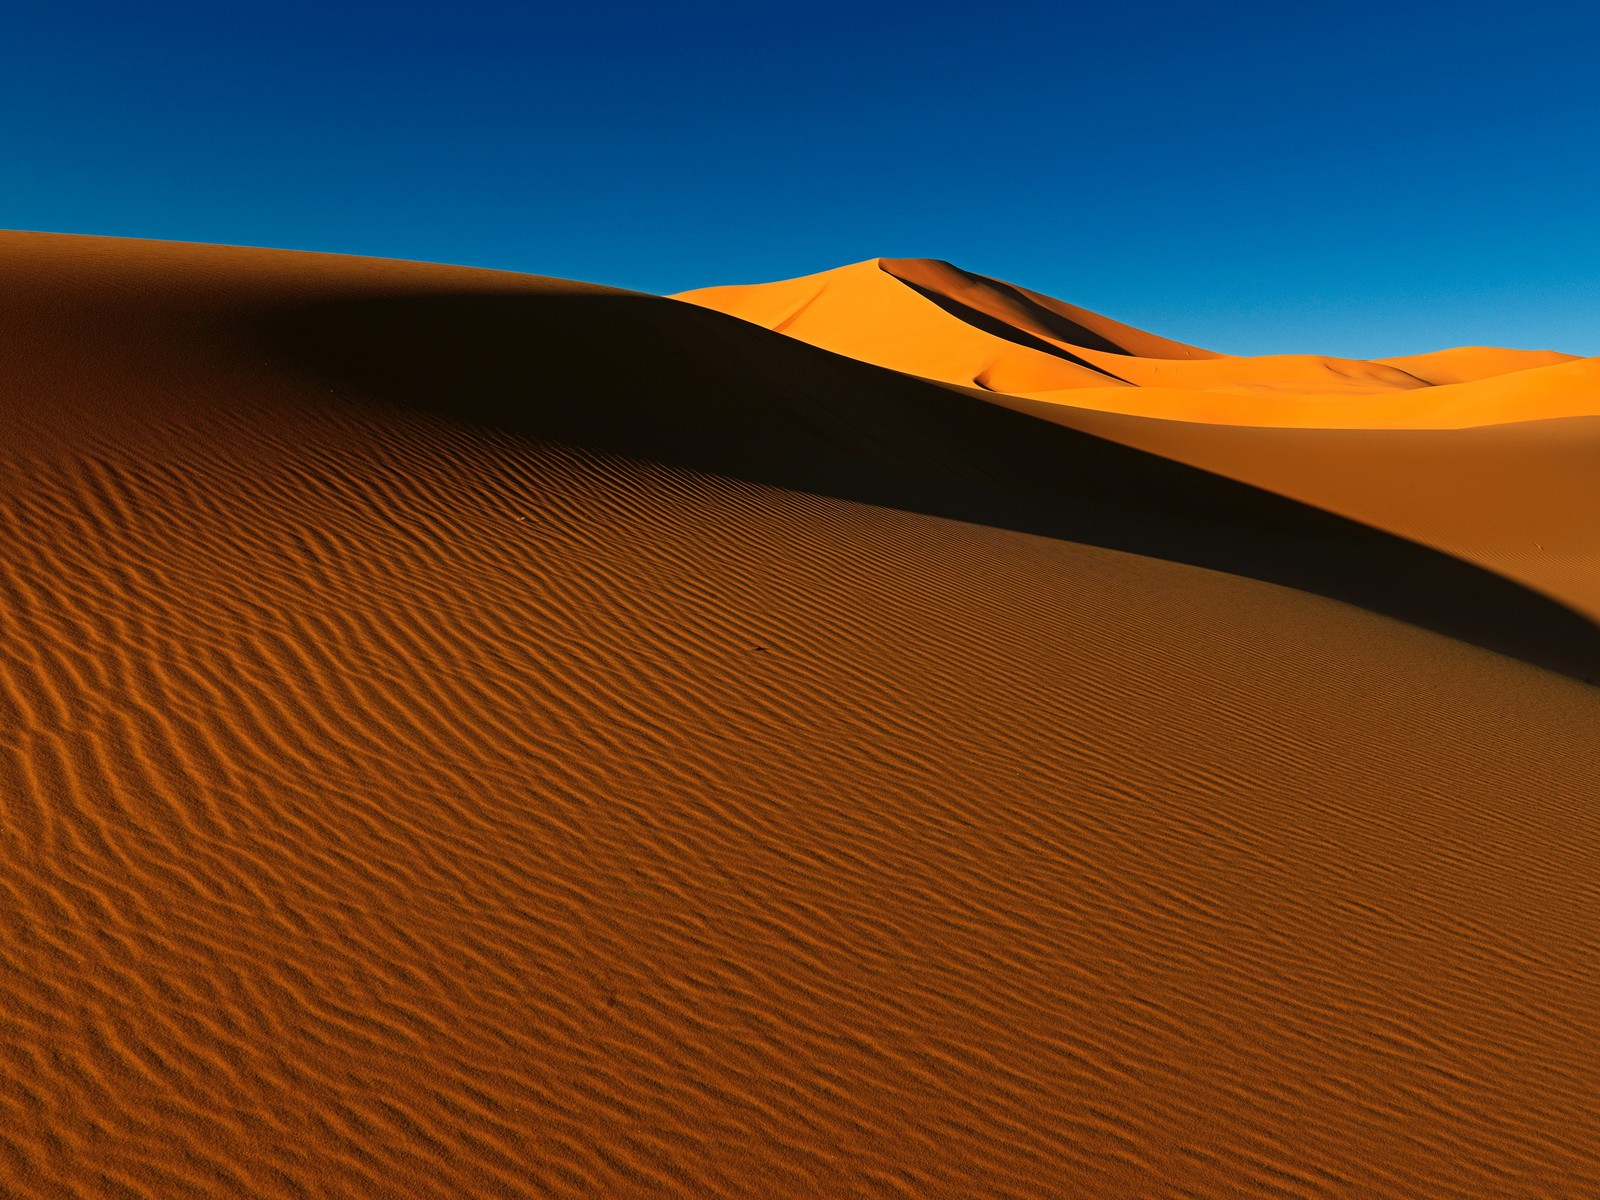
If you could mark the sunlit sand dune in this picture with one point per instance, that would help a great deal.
(864, 312)
(1566, 389)
(931, 319)
(1466, 364)
(466, 734)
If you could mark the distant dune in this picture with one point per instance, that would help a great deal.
(468, 734)
(934, 320)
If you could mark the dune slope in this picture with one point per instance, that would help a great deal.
(1514, 498)
(471, 735)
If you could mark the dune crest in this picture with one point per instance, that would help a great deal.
(864, 312)
(960, 328)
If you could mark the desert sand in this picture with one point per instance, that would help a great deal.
(469, 734)
(931, 319)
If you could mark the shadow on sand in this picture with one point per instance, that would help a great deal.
(672, 383)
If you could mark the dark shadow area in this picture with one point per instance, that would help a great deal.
(673, 383)
(1057, 326)
(995, 327)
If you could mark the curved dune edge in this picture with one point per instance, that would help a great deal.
(935, 321)
(863, 312)
(1468, 364)
(1513, 498)
(409, 792)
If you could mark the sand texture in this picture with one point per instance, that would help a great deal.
(466, 735)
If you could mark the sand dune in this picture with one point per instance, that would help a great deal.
(1567, 389)
(933, 320)
(1515, 498)
(469, 734)
(866, 313)
(1467, 364)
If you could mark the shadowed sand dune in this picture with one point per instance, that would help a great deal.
(1517, 499)
(696, 390)
(474, 735)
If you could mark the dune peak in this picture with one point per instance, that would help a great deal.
(930, 318)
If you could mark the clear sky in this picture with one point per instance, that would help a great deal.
(1353, 178)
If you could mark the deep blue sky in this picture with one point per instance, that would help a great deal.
(1353, 178)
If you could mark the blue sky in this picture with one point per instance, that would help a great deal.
(1360, 179)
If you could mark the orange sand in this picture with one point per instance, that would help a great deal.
(933, 320)
(477, 735)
